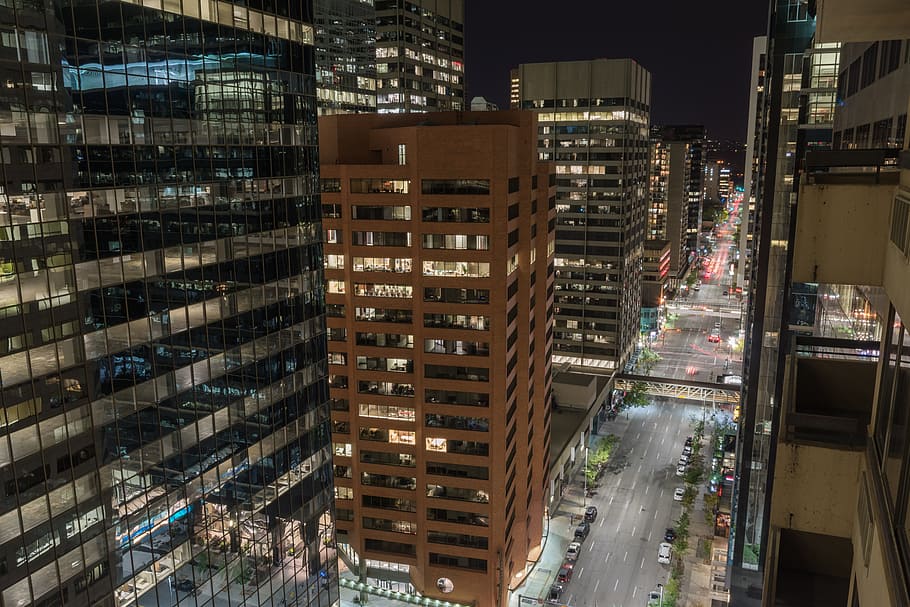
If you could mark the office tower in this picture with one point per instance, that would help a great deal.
(345, 56)
(668, 213)
(420, 55)
(593, 122)
(165, 409)
(440, 283)
(693, 136)
(874, 78)
(798, 107)
(754, 152)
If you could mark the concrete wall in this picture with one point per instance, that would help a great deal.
(841, 233)
(818, 487)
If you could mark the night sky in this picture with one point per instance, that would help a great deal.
(699, 53)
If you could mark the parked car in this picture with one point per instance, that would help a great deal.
(554, 593)
(714, 338)
(687, 450)
(680, 470)
(688, 441)
(591, 514)
(663, 553)
(669, 534)
(572, 551)
(678, 494)
(683, 461)
(684, 458)
(565, 573)
(653, 599)
(581, 532)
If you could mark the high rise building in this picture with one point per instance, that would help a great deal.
(694, 136)
(345, 56)
(835, 520)
(165, 427)
(440, 286)
(420, 55)
(754, 153)
(668, 213)
(798, 102)
(593, 122)
(873, 79)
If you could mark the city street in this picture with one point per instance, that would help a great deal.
(684, 345)
(618, 563)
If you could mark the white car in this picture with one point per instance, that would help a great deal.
(663, 553)
(678, 494)
(680, 470)
(687, 450)
(572, 551)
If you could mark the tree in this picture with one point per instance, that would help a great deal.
(692, 278)
(648, 358)
(637, 396)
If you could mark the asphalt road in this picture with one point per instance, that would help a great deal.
(618, 563)
(684, 344)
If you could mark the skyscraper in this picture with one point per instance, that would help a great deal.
(671, 183)
(593, 121)
(822, 490)
(420, 55)
(165, 427)
(440, 287)
(754, 153)
(694, 136)
(345, 56)
(797, 108)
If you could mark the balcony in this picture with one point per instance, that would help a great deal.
(828, 395)
(843, 217)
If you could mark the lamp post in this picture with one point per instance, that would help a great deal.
(661, 600)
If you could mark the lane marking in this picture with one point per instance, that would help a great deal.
(597, 584)
(646, 489)
(591, 547)
(649, 536)
(617, 526)
(638, 436)
(642, 566)
(661, 492)
(602, 521)
(581, 572)
(633, 529)
(625, 556)
(616, 585)
(655, 514)
(611, 501)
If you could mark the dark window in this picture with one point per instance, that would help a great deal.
(853, 76)
(861, 141)
(870, 57)
(461, 562)
(455, 186)
(513, 184)
(881, 133)
(513, 211)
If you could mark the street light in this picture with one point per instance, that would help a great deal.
(661, 600)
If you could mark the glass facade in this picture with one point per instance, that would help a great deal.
(345, 56)
(165, 422)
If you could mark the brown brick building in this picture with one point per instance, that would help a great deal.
(439, 276)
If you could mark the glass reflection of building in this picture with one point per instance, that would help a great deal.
(163, 362)
(345, 56)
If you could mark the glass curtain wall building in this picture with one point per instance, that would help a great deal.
(799, 109)
(165, 428)
(345, 56)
